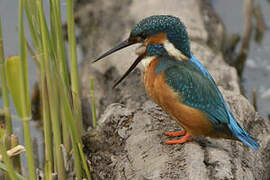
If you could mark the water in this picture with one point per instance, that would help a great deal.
(257, 68)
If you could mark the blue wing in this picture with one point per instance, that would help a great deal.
(198, 90)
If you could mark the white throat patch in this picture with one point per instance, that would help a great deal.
(147, 60)
(172, 51)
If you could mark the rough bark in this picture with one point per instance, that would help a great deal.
(129, 142)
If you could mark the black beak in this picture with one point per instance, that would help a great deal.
(122, 45)
(136, 62)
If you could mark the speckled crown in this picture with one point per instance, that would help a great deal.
(172, 26)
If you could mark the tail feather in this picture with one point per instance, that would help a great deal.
(235, 128)
(241, 134)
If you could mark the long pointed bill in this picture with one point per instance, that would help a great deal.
(122, 45)
(136, 62)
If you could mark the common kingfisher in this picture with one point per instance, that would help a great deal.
(179, 83)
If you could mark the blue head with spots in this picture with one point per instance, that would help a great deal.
(157, 34)
(172, 26)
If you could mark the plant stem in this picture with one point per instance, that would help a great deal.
(53, 96)
(75, 86)
(93, 103)
(61, 64)
(75, 139)
(57, 28)
(7, 160)
(34, 26)
(4, 87)
(25, 99)
(14, 141)
(84, 162)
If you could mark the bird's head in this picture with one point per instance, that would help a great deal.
(158, 35)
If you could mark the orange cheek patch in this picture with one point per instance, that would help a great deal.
(157, 39)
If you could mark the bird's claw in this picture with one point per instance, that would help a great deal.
(175, 134)
(184, 139)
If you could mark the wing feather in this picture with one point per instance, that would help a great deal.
(196, 90)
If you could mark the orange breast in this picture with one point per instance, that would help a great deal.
(192, 120)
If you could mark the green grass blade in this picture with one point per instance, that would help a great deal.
(47, 129)
(3, 167)
(14, 83)
(26, 108)
(25, 97)
(30, 11)
(61, 64)
(76, 140)
(93, 103)
(4, 87)
(75, 86)
(53, 95)
(66, 103)
(86, 168)
(65, 131)
(57, 24)
(8, 163)
(14, 142)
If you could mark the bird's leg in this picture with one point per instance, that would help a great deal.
(180, 141)
(175, 134)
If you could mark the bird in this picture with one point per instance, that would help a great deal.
(177, 81)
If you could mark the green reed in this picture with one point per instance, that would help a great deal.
(60, 90)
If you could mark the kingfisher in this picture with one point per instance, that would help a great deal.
(177, 81)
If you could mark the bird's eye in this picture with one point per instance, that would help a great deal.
(143, 36)
(140, 38)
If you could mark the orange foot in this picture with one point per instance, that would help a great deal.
(180, 141)
(175, 134)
